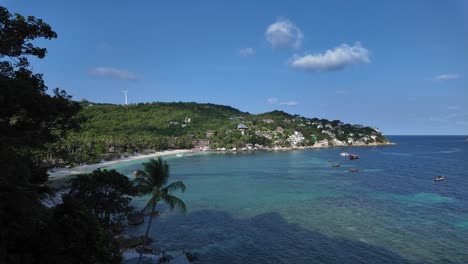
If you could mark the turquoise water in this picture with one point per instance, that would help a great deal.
(292, 207)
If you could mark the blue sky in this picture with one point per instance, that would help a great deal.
(401, 66)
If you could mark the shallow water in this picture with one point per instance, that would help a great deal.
(292, 207)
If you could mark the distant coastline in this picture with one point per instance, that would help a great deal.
(374, 144)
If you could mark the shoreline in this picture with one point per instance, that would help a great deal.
(60, 173)
(268, 149)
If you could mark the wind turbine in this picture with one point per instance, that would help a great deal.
(125, 92)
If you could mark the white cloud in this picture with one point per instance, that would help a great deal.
(335, 59)
(284, 34)
(446, 77)
(245, 52)
(289, 103)
(121, 74)
(272, 100)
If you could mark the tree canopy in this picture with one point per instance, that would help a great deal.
(106, 193)
(73, 235)
(30, 118)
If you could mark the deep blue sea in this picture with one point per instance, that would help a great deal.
(293, 207)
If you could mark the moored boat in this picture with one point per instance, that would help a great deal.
(353, 170)
(344, 154)
(353, 156)
(439, 178)
(334, 165)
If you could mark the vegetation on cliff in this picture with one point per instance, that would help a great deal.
(110, 130)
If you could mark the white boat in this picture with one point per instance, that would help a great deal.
(344, 154)
(179, 155)
(439, 178)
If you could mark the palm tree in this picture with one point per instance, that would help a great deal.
(153, 180)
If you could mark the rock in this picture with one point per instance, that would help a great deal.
(135, 219)
(321, 143)
(191, 257)
(144, 249)
(133, 242)
(136, 173)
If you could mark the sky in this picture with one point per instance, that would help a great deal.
(401, 66)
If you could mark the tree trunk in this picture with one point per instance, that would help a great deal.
(147, 232)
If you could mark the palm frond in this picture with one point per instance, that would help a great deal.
(143, 185)
(174, 186)
(174, 202)
(152, 181)
(157, 170)
(140, 173)
(153, 201)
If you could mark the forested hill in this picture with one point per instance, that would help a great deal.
(109, 130)
(155, 119)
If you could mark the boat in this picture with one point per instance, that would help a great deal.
(334, 165)
(353, 170)
(353, 156)
(344, 154)
(439, 178)
(179, 155)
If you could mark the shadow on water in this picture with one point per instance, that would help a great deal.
(268, 238)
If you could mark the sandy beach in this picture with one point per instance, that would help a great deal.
(64, 172)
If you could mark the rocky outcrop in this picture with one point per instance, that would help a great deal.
(321, 144)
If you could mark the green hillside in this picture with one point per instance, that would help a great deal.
(109, 131)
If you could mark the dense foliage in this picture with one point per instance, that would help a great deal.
(110, 131)
(73, 235)
(106, 193)
(29, 119)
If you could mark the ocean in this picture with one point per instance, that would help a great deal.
(293, 207)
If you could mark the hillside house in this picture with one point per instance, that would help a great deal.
(242, 128)
(296, 139)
